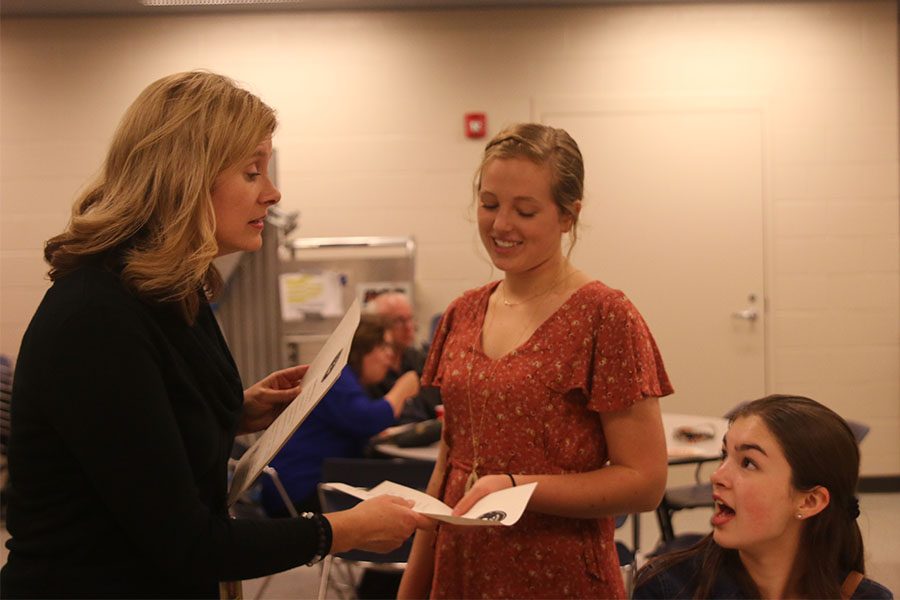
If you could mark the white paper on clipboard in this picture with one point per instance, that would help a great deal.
(323, 372)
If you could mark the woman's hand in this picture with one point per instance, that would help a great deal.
(379, 524)
(484, 486)
(633, 481)
(265, 399)
(406, 386)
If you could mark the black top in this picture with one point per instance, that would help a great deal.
(123, 421)
(420, 407)
(679, 581)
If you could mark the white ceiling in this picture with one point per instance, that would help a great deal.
(62, 8)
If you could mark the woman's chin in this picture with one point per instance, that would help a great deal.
(722, 539)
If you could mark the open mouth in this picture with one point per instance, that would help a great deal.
(723, 513)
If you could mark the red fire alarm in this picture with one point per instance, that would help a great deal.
(476, 125)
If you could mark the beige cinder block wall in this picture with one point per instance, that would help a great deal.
(371, 143)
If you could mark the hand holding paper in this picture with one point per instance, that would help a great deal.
(318, 379)
(267, 398)
(487, 484)
(504, 507)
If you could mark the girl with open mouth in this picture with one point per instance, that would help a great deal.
(784, 524)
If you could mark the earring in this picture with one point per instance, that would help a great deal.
(799, 516)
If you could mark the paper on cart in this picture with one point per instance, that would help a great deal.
(323, 372)
(504, 507)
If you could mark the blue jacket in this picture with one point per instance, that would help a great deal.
(339, 426)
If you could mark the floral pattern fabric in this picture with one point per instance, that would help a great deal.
(536, 410)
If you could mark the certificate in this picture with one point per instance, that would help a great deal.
(503, 507)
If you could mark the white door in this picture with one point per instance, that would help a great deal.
(673, 216)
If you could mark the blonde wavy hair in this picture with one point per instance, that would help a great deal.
(150, 210)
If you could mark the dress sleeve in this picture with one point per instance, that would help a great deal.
(626, 364)
(104, 393)
(349, 409)
(432, 374)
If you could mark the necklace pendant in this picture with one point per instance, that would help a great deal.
(473, 477)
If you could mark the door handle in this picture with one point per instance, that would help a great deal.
(748, 314)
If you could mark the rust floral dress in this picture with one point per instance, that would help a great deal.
(536, 410)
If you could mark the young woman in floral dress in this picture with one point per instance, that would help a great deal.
(547, 376)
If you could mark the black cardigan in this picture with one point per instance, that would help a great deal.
(123, 419)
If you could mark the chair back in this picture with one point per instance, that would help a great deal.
(628, 556)
(367, 473)
(860, 430)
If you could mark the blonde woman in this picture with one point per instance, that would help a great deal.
(126, 397)
(547, 376)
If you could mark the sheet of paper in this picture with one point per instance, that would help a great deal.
(323, 372)
(500, 508)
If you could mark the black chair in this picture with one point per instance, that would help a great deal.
(860, 430)
(248, 505)
(682, 497)
(699, 495)
(365, 473)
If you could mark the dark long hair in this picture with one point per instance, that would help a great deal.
(367, 337)
(822, 451)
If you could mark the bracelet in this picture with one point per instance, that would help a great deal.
(511, 478)
(323, 529)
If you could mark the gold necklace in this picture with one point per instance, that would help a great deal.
(555, 282)
(473, 476)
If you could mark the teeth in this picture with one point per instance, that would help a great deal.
(505, 244)
(722, 507)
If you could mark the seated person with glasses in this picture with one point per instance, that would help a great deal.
(342, 423)
(396, 310)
